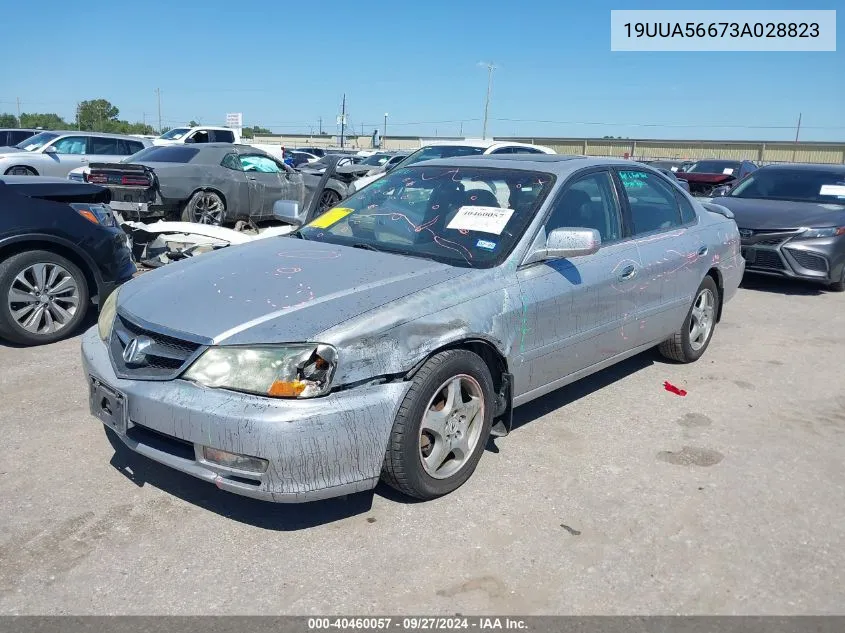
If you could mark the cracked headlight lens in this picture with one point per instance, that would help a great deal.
(279, 371)
(107, 314)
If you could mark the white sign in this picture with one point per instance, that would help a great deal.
(483, 219)
(727, 171)
(832, 190)
(235, 119)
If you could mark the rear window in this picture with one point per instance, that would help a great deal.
(800, 185)
(441, 151)
(166, 154)
(729, 167)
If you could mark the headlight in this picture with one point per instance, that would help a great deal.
(285, 371)
(107, 314)
(95, 213)
(810, 234)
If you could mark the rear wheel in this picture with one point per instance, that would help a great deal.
(21, 170)
(691, 341)
(442, 426)
(205, 207)
(328, 199)
(44, 297)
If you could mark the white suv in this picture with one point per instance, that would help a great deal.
(199, 134)
(450, 149)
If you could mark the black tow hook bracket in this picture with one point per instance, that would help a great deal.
(503, 413)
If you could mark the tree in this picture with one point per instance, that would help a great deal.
(97, 115)
(50, 121)
(193, 123)
(8, 120)
(251, 132)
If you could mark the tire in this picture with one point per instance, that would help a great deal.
(28, 314)
(328, 199)
(21, 170)
(205, 207)
(414, 450)
(838, 286)
(681, 346)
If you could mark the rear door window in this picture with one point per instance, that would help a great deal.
(652, 201)
(223, 136)
(108, 146)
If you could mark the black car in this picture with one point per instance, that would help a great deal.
(791, 221)
(9, 137)
(60, 249)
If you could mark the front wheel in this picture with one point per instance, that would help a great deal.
(205, 207)
(442, 426)
(329, 199)
(838, 286)
(44, 297)
(21, 170)
(690, 342)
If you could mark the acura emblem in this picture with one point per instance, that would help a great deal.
(746, 232)
(134, 353)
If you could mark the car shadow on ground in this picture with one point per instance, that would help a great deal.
(782, 286)
(286, 517)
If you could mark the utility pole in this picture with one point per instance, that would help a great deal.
(490, 69)
(321, 125)
(144, 121)
(342, 120)
(158, 97)
(19, 110)
(797, 132)
(461, 133)
(384, 132)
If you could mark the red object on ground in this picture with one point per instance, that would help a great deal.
(668, 386)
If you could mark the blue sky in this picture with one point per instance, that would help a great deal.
(286, 64)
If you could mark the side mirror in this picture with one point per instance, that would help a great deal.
(51, 150)
(567, 243)
(288, 212)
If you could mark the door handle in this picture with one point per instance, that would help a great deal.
(629, 272)
(83, 160)
(250, 177)
(702, 251)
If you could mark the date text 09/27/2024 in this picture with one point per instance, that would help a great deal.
(416, 623)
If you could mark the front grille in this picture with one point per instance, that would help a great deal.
(810, 261)
(769, 242)
(161, 442)
(162, 358)
(767, 259)
(766, 237)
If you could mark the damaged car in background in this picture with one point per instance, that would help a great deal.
(60, 251)
(391, 336)
(705, 176)
(213, 183)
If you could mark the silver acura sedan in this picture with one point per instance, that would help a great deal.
(390, 337)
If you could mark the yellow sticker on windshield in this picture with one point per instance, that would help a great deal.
(330, 217)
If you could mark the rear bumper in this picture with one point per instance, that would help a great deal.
(821, 261)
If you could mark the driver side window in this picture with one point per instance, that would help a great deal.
(589, 203)
(262, 164)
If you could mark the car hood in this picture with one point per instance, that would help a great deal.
(275, 290)
(754, 213)
(366, 180)
(10, 150)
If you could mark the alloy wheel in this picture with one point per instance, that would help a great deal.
(43, 298)
(702, 319)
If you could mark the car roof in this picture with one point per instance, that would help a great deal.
(559, 164)
(127, 137)
(829, 167)
(20, 129)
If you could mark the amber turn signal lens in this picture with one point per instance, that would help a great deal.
(88, 216)
(291, 389)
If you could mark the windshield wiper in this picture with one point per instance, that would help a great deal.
(366, 247)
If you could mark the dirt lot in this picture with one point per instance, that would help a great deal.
(612, 496)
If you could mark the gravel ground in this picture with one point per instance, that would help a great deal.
(613, 496)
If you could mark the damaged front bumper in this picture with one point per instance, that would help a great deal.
(314, 449)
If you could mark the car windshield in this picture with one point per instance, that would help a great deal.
(175, 134)
(800, 185)
(376, 159)
(440, 151)
(36, 142)
(729, 167)
(163, 154)
(463, 216)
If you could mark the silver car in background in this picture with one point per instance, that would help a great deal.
(57, 153)
(392, 335)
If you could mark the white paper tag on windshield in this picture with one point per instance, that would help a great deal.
(674, 168)
(728, 171)
(832, 190)
(483, 219)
